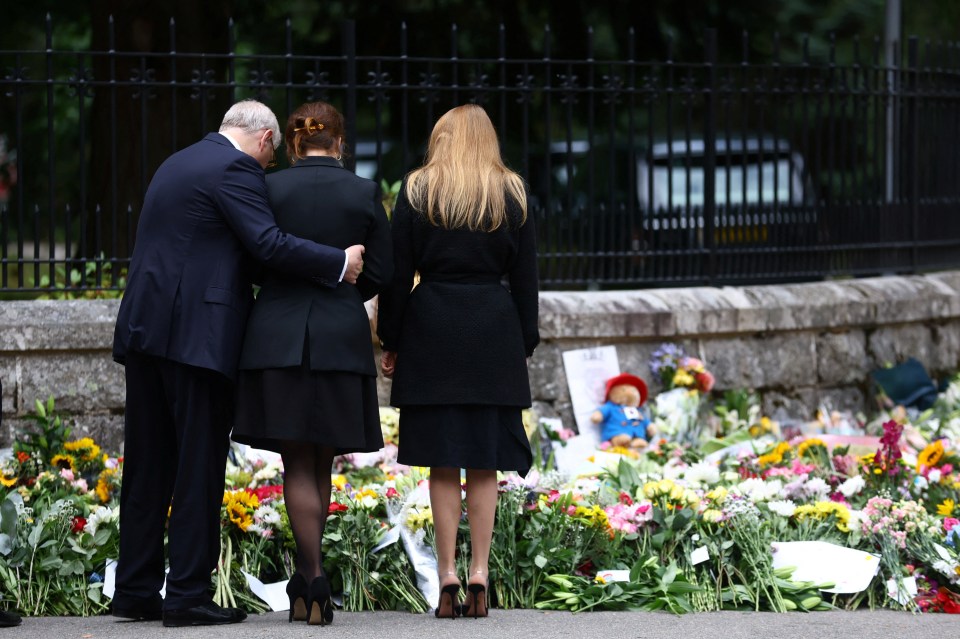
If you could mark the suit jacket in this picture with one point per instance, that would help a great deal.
(317, 199)
(461, 336)
(188, 289)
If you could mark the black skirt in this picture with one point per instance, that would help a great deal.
(325, 408)
(453, 436)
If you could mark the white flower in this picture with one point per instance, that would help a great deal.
(757, 490)
(852, 486)
(782, 507)
(368, 501)
(920, 482)
(265, 475)
(702, 473)
(934, 476)
(100, 516)
(267, 515)
(587, 485)
(816, 487)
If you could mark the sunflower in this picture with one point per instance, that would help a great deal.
(9, 482)
(930, 455)
(64, 461)
(239, 507)
(946, 507)
(84, 447)
(105, 484)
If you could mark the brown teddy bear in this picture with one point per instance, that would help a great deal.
(622, 421)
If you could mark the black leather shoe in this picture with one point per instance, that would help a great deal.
(8, 619)
(138, 614)
(208, 614)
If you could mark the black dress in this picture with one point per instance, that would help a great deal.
(307, 369)
(461, 337)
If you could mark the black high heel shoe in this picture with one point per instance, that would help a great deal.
(449, 606)
(320, 607)
(298, 593)
(477, 607)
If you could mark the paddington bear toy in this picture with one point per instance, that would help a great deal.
(622, 422)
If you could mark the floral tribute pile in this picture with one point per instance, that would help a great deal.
(689, 525)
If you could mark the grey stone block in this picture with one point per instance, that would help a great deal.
(895, 344)
(84, 382)
(842, 357)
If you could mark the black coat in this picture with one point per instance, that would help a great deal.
(461, 336)
(318, 199)
(189, 288)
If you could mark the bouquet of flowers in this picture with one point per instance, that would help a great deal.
(676, 369)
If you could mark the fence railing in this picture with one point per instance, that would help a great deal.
(641, 173)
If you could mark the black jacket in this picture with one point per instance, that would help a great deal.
(318, 199)
(461, 336)
(189, 290)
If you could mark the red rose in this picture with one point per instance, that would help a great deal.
(78, 524)
(392, 492)
(336, 508)
(22, 456)
(705, 381)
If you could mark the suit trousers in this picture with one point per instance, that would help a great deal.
(176, 438)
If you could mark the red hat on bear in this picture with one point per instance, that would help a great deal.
(632, 380)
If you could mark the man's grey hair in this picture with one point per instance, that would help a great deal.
(252, 116)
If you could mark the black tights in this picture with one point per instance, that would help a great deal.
(306, 491)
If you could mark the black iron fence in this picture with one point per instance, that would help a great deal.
(641, 174)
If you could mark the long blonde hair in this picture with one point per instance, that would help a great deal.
(464, 182)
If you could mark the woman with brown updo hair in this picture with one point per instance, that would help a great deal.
(307, 386)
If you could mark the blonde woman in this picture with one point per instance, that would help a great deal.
(456, 345)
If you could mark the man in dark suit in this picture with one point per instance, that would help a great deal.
(179, 333)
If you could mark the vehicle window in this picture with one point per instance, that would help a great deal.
(754, 183)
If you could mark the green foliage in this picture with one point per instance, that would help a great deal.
(48, 435)
(390, 193)
(63, 287)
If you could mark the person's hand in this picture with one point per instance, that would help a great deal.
(388, 362)
(354, 263)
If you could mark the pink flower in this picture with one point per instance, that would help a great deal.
(67, 474)
(950, 523)
(800, 468)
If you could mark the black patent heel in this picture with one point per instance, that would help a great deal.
(297, 593)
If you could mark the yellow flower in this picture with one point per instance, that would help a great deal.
(807, 444)
(63, 461)
(599, 579)
(930, 455)
(623, 450)
(239, 507)
(823, 509)
(712, 515)
(85, 447)
(676, 493)
(682, 379)
(104, 484)
(717, 495)
(339, 481)
(775, 456)
(946, 507)
(594, 515)
(9, 482)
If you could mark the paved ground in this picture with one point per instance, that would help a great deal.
(523, 624)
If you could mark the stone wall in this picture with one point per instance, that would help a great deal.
(799, 345)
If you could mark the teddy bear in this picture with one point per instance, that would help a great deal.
(622, 422)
